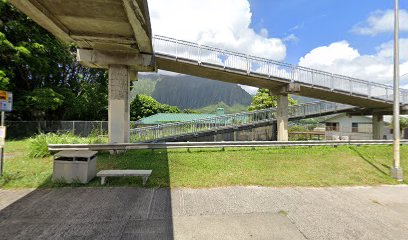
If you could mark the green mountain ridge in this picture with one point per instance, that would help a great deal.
(187, 92)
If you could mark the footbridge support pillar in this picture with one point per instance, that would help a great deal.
(118, 113)
(282, 117)
(378, 126)
(282, 111)
(122, 68)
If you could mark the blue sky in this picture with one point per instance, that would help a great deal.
(319, 22)
(349, 37)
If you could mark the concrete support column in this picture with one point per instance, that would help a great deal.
(282, 117)
(378, 126)
(119, 115)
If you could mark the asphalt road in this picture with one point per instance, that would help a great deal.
(221, 213)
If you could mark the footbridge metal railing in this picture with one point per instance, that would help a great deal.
(200, 125)
(231, 121)
(251, 65)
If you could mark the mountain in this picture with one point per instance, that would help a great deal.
(187, 92)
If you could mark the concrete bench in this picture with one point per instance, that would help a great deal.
(124, 173)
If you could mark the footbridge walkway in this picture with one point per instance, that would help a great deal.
(204, 61)
(173, 131)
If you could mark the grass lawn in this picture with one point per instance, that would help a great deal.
(279, 167)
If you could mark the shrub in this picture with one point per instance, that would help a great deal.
(297, 128)
(38, 145)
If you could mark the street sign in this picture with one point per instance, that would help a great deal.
(2, 135)
(6, 101)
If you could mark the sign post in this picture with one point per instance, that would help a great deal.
(396, 170)
(6, 105)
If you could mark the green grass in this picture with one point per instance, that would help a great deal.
(38, 145)
(278, 167)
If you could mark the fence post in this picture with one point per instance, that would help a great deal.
(248, 65)
(225, 59)
(332, 82)
(312, 81)
(199, 55)
(176, 49)
(369, 90)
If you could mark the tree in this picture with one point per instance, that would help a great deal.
(145, 106)
(403, 123)
(43, 75)
(37, 103)
(263, 100)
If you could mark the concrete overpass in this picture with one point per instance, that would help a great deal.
(116, 35)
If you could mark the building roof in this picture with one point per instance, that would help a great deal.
(160, 118)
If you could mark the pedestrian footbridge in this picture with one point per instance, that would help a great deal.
(223, 65)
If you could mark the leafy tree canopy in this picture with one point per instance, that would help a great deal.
(263, 100)
(145, 106)
(403, 123)
(43, 75)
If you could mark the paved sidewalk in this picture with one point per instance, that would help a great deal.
(220, 213)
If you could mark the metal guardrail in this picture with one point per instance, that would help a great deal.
(267, 68)
(175, 145)
(230, 121)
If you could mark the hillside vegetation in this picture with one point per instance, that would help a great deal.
(187, 92)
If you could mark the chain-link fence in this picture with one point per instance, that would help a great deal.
(23, 129)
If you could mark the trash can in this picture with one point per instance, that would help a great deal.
(74, 166)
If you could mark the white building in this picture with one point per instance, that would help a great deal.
(343, 126)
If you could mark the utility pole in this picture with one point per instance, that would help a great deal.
(396, 170)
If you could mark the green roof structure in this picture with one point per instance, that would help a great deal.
(161, 118)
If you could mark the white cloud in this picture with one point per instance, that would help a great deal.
(381, 21)
(224, 24)
(386, 50)
(249, 89)
(326, 55)
(341, 58)
(291, 38)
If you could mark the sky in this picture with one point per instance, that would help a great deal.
(348, 37)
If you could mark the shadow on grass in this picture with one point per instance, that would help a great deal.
(370, 161)
(77, 211)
